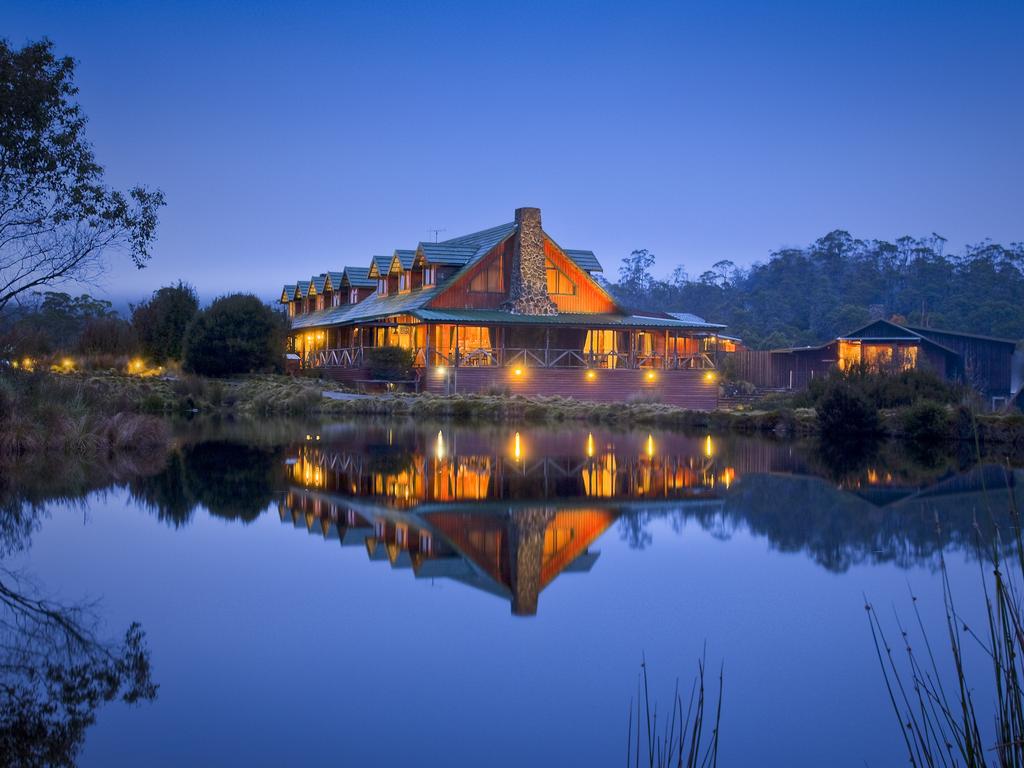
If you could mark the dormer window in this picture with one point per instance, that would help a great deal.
(404, 281)
(336, 299)
(429, 275)
(382, 286)
(353, 296)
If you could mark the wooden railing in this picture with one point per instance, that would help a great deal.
(522, 356)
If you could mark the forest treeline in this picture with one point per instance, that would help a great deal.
(809, 295)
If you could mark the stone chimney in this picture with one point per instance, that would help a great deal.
(526, 555)
(528, 292)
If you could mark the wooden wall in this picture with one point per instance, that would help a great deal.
(986, 363)
(689, 389)
(588, 297)
(752, 365)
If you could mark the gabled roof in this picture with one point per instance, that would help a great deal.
(944, 332)
(317, 282)
(585, 260)
(358, 277)
(334, 280)
(441, 253)
(380, 266)
(404, 258)
(288, 294)
(301, 289)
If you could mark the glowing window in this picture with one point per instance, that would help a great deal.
(558, 283)
(489, 280)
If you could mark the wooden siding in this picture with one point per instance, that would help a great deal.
(588, 297)
(986, 363)
(458, 296)
(689, 389)
(754, 366)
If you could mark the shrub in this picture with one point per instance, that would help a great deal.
(236, 334)
(389, 363)
(925, 422)
(843, 410)
(161, 321)
(107, 336)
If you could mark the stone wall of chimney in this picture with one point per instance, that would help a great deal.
(528, 291)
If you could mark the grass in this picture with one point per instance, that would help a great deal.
(41, 413)
(941, 724)
(687, 739)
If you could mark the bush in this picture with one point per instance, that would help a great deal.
(236, 334)
(160, 323)
(389, 363)
(889, 390)
(107, 336)
(843, 410)
(926, 422)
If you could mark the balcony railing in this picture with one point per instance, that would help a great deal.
(521, 356)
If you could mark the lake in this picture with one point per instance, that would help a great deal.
(390, 594)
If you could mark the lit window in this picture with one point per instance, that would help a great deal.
(558, 283)
(490, 279)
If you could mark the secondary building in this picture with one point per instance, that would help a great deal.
(506, 308)
(983, 362)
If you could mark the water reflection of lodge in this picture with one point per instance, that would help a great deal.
(508, 523)
(603, 470)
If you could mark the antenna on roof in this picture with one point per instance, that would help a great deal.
(436, 231)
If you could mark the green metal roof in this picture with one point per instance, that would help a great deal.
(590, 320)
(335, 278)
(383, 265)
(318, 282)
(288, 294)
(373, 307)
(441, 253)
(585, 260)
(301, 288)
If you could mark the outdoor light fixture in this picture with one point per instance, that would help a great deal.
(591, 374)
(709, 376)
(441, 370)
(650, 375)
(518, 371)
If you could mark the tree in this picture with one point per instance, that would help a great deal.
(161, 321)
(635, 273)
(58, 219)
(236, 334)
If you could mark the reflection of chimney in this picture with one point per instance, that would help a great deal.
(526, 550)
(528, 291)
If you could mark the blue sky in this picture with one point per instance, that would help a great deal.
(291, 138)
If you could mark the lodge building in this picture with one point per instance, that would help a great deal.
(504, 309)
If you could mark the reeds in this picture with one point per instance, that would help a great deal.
(687, 739)
(940, 723)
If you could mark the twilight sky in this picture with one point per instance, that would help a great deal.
(290, 138)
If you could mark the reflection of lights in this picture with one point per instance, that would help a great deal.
(439, 450)
(649, 446)
(309, 437)
(728, 476)
(709, 448)
(517, 451)
(591, 374)
(590, 445)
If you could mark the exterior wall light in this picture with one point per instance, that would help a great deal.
(709, 376)
(518, 372)
(441, 370)
(650, 376)
(591, 374)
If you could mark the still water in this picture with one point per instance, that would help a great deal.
(389, 594)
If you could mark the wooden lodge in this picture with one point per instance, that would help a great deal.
(983, 362)
(505, 309)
